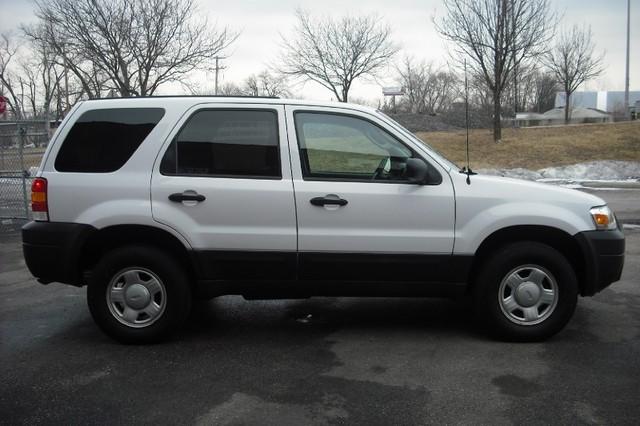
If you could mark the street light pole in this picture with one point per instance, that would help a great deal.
(627, 111)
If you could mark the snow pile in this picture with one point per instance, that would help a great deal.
(518, 173)
(593, 171)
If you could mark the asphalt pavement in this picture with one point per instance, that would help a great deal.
(318, 361)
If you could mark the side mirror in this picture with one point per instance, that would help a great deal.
(420, 173)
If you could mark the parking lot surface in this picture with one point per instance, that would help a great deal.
(318, 361)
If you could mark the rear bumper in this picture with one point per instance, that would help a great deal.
(52, 250)
(603, 253)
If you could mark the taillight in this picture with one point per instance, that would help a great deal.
(39, 206)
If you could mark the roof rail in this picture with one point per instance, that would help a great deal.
(186, 96)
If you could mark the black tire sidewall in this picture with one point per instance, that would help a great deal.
(499, 265)
(178, 294)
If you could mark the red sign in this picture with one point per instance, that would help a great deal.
(3, 104)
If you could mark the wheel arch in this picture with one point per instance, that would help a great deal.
(560, 240)
(111, 237)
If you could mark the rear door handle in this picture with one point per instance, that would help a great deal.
(179, 197)
(324, 201)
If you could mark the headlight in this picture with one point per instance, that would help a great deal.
(603, 217)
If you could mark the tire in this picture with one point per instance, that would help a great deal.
(138, 294)
(525, 292)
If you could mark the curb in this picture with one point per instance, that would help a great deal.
(612, 185)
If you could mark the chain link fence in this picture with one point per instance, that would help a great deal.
(22, 144)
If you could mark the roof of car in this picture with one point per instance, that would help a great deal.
(164, 100)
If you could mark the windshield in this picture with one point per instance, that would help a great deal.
(406, 132)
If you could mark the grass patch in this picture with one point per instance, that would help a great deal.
(330, 161)
(535, 148)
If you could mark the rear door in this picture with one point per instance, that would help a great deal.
(223, 181)
(377, 226)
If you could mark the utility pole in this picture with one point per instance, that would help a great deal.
(626, 79)
(217, 69)
(66, 81)
(515, 72)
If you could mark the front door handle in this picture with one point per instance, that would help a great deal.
(179, 197)
(324, 201)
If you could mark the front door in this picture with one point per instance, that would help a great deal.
(359, 219)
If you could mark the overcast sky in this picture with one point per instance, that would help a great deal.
(262, 22)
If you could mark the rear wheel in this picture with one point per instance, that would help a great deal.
(138, 294)
(526, 291)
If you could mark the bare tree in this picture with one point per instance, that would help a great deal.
(252, 86)
(266, 84)
(76, 61)
(28, 82)
(519, 95)
(442, 90)
(573, 61)
(544, 94)
(426, 88)
(29, 76)
(42, 73)
(230, 89)
(8, 80)
(480, 98)
(50, 76)
(412, 77)
(496, 36)
(334, 53)
(132, 46)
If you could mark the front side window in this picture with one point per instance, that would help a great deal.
(226, 143)
(343, 147)
(103, 140)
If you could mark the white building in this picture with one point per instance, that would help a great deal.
(555, 116)
(612, 101)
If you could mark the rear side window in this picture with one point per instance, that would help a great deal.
(226, 143)
(102, 140)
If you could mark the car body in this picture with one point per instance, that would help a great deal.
(269, 198)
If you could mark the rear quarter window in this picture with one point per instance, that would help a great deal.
(102, 140)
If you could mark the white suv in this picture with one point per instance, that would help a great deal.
(154, 201)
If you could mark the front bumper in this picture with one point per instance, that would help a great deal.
(603, 256)
(52, 250)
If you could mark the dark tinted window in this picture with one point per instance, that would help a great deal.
(343, 147)
(233, 143)
(103, 140)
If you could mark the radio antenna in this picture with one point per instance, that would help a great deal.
(467, 169)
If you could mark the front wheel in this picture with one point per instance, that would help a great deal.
(526, 291)
(138, 294)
